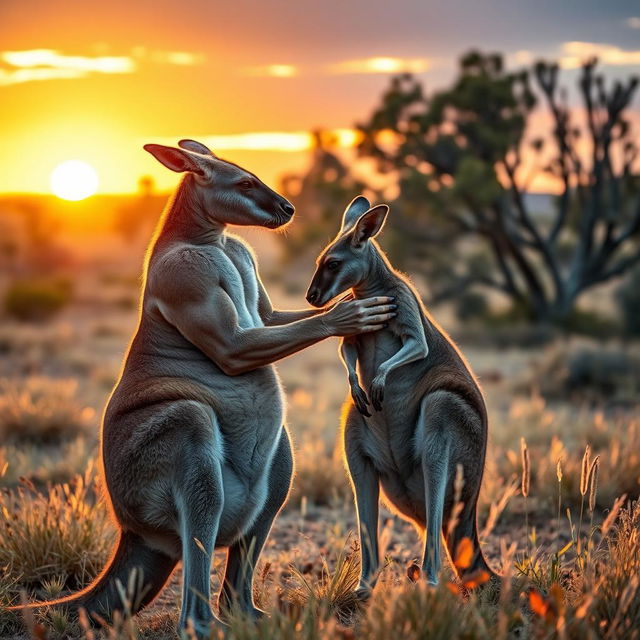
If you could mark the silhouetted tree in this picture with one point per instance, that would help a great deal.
(464, 163)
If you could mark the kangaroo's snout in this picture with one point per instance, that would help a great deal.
(312, 296)
(287, 208)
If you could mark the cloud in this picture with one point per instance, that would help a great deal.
(576, 52)
(273, 70)
(633, 22)
(290, 141)
(179, 58)
(381, 64)
(377, 64)
(49, 64)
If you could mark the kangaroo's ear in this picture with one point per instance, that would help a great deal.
(369, 225)
(198, 147)
(177, 159)
(353, 211)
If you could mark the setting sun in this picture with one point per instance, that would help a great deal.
(74, 180)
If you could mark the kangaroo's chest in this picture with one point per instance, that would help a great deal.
(373, 349)
(239, 280)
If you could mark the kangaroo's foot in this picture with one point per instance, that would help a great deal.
(226, 609)
(363, 593)
(201, 629)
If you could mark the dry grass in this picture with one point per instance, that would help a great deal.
(42, 410)
(55, 538)
(45, 464)
(60, 537)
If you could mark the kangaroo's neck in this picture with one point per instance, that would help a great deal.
(380, 278)
(187, 220)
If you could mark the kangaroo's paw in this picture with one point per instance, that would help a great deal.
(361, 401)
(377, 391)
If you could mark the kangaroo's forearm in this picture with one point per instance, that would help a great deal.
(411, 350)
(254, 348)
(279, 317)
(349, 357)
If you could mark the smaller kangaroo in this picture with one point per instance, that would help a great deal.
(428, 414)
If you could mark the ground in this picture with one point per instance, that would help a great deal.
(56, 377)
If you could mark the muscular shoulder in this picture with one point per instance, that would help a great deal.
(183, 273)
(241, 247)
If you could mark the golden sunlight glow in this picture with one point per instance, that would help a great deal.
(382, 64)
(273, 70)
(74, 180)
(283, 141)
(51, 58)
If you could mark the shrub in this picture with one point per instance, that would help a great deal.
(320, 475)
(471, 305)
(610, 375)
(628, 298)
(64, 534)
(37, 299)
(42, 410)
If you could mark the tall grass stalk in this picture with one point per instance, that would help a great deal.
(526, 480)
(584, 486)
(559, 476)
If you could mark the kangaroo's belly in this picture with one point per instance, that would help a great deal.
(244, 498)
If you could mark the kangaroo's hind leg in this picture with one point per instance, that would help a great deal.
(199, 501)
(433, 444)
(366, 486)
(243, 555)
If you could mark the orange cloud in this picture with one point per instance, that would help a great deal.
(49, 64)
(381, 64)
(273, 70)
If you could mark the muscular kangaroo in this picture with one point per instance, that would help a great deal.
(424, 414)
(194, 449)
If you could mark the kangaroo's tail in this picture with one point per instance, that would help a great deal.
(132, 578)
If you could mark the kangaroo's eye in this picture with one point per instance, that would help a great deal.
(245, 184)
(332, 265)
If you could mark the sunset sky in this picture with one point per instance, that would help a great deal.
(94, 81)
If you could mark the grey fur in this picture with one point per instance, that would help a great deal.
(194, 450)
(423, 415)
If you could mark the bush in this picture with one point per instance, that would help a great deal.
(471, 305)
(628, 298)
(37, 299)
(601, 375)
(63, 535)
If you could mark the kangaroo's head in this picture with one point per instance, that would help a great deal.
(226, 192)
(345, 262)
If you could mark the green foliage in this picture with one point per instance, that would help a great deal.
(37, 299)
(589, 323)
(464, 165)
(321, 195)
